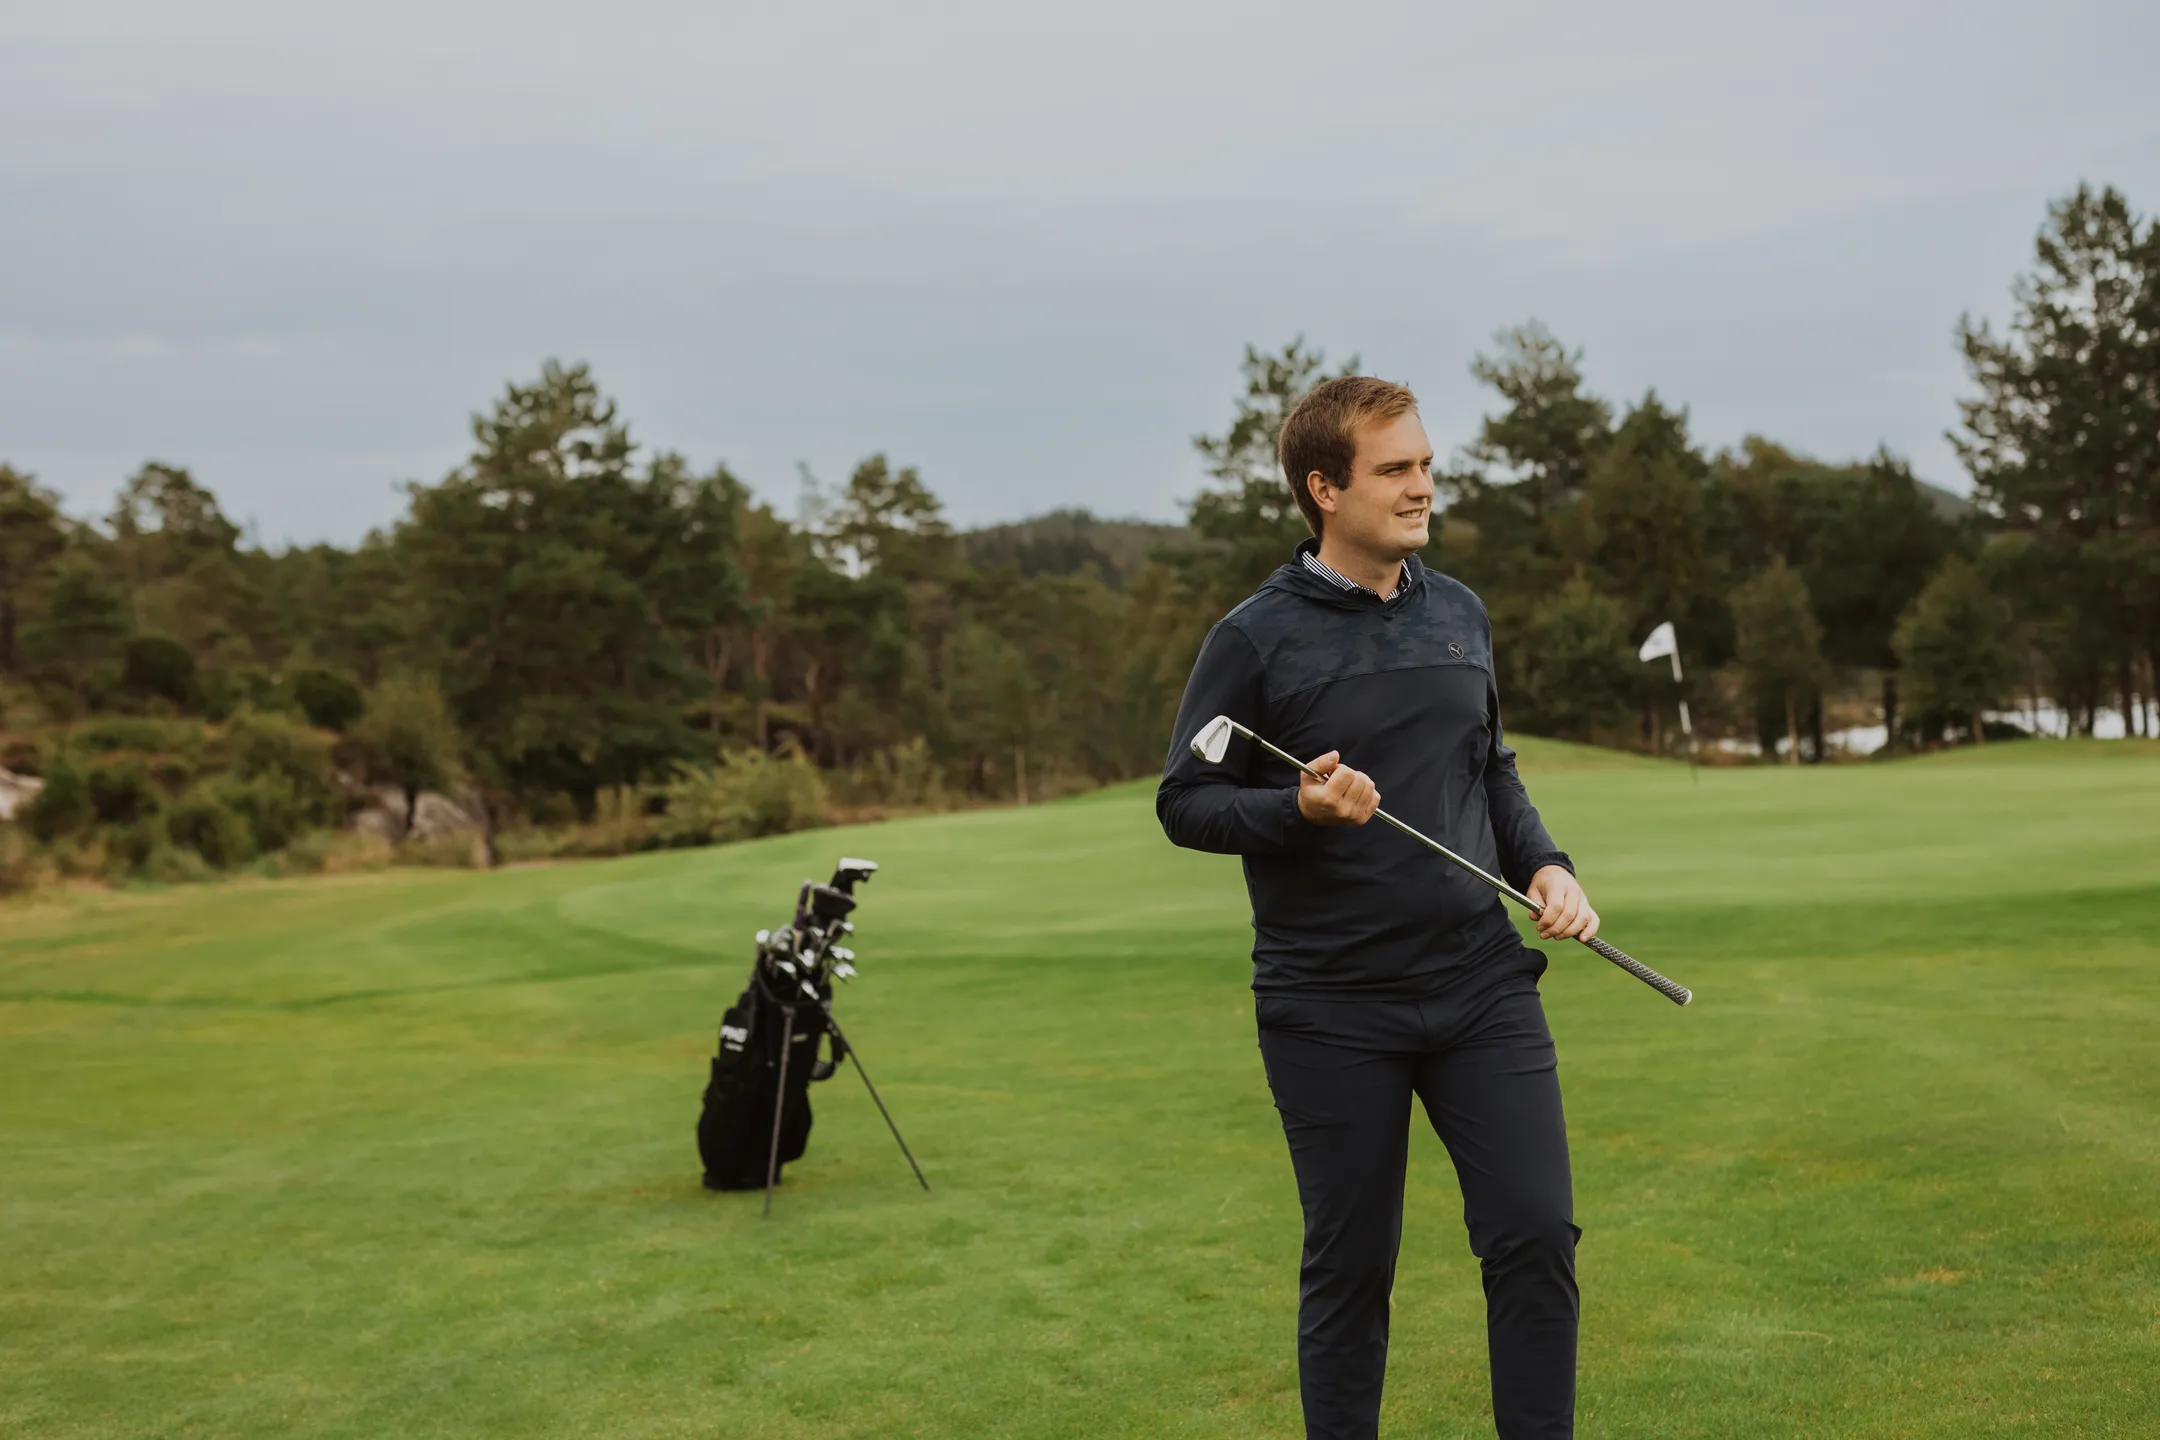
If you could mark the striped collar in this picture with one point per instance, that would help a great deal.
(1344, 583)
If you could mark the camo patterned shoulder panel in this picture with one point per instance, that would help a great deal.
(1305, 643)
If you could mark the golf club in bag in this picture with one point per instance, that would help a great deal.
(757, 1103)
(1212, 742)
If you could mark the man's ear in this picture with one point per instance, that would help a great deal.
(1322, 491)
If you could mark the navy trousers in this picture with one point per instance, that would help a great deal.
(1342, 1073)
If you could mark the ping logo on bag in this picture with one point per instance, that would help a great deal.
(733, 1036)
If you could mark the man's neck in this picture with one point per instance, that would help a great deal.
(1378, 573)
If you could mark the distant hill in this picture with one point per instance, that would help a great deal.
(1064, 542)
(1948, 504)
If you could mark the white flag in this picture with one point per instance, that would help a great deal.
(1661, 643)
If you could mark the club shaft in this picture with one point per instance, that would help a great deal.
(1410, 830)
(1672, 990)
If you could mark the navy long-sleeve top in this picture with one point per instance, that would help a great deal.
(1403, 687)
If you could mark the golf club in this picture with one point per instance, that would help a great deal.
(1213, 741)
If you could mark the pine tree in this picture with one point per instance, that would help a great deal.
(31, 539)
(2063, 438)
(1780, 645)
(1955, 645)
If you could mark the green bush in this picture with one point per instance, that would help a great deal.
(900, 775)
(121, 792)
(749, 793)
(328, 699)
(18, 862)
(160, 667)
(307, 854)
(129, 848)
(408, 739)
(21, 754)
(227, 691)
(108, 734)
(222, 836)
(172, 864)
(63, 806)
(275, 811)
(533, 842)
(448, 852)
(265, 746)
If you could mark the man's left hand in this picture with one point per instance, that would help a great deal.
(1564, 912)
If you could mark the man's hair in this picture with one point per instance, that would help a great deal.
(1321, 433)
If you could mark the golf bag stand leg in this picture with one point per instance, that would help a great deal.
(849, 1046)
(787, 1043)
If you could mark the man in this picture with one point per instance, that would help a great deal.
(1379, 971)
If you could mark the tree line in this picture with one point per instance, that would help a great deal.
(1793, 580)
(567, 617)
(582, 617)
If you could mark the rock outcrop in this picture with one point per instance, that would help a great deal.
(16, 793)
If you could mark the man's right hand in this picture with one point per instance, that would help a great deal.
(1345, 797)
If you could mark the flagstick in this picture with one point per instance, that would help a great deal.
(1687, 727)
(1664, 641)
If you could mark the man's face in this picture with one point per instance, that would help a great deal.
(1386, 510)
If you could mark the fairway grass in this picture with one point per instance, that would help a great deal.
(410, 1154)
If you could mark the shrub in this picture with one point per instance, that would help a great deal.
(901, 775)
(748, 793)
(20, 754)
(173, 864)
(226, 692)
(409, 740)
(275, 811)
(222, 836)
(265, 746)
(63, 806)
(532, 842)
(79, 856)
(328, 699)
(108, 734)
(18, 862)
(448, 852)
(129, 848)
(160, 666)
(121, 792)
(308, 854)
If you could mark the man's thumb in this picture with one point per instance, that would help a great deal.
(1326, 764)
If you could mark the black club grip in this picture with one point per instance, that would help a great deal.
(1672, 990)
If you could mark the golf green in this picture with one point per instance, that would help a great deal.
(410, 1154)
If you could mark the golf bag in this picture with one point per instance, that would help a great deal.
(768, 1043)
(757, 1101)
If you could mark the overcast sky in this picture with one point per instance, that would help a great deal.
(294, 247)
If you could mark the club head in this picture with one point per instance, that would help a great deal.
(851, 872)
(1213, 741)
